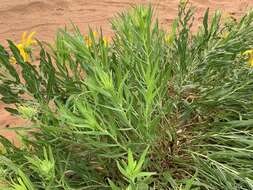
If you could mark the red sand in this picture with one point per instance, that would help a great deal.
(45, 16)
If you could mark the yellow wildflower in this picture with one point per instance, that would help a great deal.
(250, 58)
(29, 41)
(88, 41)
(95, 34)
(106, 41)
(23, 52)
(24, 47)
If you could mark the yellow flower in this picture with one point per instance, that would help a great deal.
(23, 52)
(95, 34)
(88, 41)
(106, 41)
(29, 41)
(250, 58)
(24, 47)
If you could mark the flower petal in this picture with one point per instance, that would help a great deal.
(23, 40)
(29, 40)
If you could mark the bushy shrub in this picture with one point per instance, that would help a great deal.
(143, 110)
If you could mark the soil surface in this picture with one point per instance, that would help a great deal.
(46, 16)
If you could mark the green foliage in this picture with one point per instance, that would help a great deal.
(44, 167)
(186, 96)
(132, 173)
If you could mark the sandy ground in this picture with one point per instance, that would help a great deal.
(45, 16)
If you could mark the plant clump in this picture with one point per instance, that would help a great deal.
(144, 110)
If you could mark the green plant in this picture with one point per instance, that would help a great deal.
(44, 167)
(132, 173)
(187, 96)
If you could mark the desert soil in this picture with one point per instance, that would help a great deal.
(46, 16)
